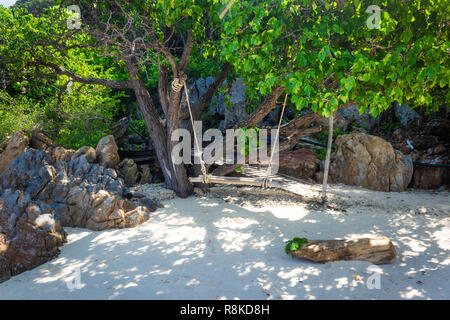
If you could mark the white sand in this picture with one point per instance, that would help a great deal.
(208, 248)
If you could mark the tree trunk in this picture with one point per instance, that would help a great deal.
(378, 250)
(175, 175)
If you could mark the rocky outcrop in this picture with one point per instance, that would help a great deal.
(28, 237)
(77, 193)
(107, 152)
(426, 144)
(370, 162)
(56, 153)
(15, 147)
(299, 163)
(39, 197)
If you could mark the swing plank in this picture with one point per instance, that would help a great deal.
(378, 250)
(238, 181)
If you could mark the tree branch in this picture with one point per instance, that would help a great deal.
(263, 109)
(163, 90)
(96, 81)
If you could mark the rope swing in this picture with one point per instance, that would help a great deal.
(177, 85)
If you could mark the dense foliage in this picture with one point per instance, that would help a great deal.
(326, 55)
(73, 114)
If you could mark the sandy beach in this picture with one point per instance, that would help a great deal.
(229, 244)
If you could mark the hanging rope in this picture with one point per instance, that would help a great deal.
(177, 85)
(265, 183)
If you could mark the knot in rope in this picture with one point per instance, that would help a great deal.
(178, 83)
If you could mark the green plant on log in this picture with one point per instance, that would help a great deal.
(294, 244)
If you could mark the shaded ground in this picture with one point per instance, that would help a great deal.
(230, 245)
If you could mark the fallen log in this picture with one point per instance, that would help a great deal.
(378, 250)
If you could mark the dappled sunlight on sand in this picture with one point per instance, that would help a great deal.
(202, 248)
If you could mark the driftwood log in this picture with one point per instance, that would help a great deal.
(378, 250)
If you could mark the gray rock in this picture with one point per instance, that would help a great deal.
(405, 115)
(86, 151)
(351, 115)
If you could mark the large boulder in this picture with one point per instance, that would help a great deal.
(370, 162)
(107, 152)
(15, 147)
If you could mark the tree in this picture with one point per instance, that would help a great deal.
(329, 55)
(72, 114)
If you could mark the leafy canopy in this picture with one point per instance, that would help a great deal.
(325, 55)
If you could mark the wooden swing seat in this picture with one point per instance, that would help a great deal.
(257, 182)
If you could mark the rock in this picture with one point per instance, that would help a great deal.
(134, 174)
(406, 116)
(440, 149)
(431, 177)
(15, 147)
(40, 141)
(56, 153)
(237, 112)
(146, 175)
(60, 154)
(77, 193)
(107, 152)
(29, 236)
(319, 177)
(351, 115)
(299, 163)
(370, 162)
(129, 171)
(86, 151)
